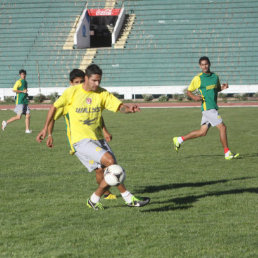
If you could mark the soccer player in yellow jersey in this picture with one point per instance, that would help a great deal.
(85, 103)
(21, 101)
(208, 86)
(77, 77)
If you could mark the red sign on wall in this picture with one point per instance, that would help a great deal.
(104, 12)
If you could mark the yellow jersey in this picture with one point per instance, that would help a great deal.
(85, 110)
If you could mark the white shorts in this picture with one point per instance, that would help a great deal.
(22, 109)
(211, 117)
(90, 152)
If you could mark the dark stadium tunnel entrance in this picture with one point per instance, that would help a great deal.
(101, 28)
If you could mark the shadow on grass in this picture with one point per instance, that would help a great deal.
(250, 155)
(242, 156)
(186, 202)
(168, 208)
(192, 199)
(204, 155)
(157, 188)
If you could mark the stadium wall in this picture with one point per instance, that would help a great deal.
(129, 92)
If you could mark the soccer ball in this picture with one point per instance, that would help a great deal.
(114, 175)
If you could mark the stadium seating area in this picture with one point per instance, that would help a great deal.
(33, 34)
(168, 38)
(162, 49)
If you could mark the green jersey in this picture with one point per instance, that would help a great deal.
(208, 85)
(21, 98)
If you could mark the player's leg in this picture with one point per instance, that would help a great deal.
(26, 111)
(12, 119)
(224, 141)
(205, 125)
(130, 199)
(27, 123)
(105, 160)
(197, 133)
(19, 111)
(108, 159)
(90, 153)
(194, 134)
(99, 177)
(223, 134)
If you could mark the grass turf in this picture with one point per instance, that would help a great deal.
(201, 205)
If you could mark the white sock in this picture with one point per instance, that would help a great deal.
(94, 198)
(227, 153)
(127, 196)
(180, 140)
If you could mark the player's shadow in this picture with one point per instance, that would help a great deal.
(157, 188)
(242, 156)
(168, 208)
(249, 155)
(204, 155)
(187, 201)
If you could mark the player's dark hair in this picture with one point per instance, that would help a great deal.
(204, 58)
(93, 69)
(22, 71)
(75, 73)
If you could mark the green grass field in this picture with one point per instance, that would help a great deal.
(201, 205)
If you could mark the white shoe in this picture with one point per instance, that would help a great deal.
(4, 124)
(28, 131)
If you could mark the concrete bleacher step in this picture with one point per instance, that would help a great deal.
(125, 31)
(159, 45)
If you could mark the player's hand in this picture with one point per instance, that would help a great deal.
(50, 141)
(224, 86)
(25, 91)
(41, 136)
(129, 109)
(197, 97)
(134, 108)
(107, 136)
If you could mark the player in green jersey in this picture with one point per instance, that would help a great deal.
(208, 85)
(21, 101)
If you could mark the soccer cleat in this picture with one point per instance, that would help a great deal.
(110, 196)
(4, 124)
(176, 144)
(232, 156)
(94, 206)
(138, 202)
(28, 131)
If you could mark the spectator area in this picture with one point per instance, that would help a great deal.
(160, 53)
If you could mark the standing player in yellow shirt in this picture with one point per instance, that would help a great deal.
(77, 77)
(85, 103)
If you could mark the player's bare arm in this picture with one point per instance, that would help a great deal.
(41, 136)
(50, 128)
(129, 109)
(193, 97)
(224, 86)
(107, 135)
(21, 91)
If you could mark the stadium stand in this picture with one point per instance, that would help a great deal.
(34, 39)
(168, 37)
(162, 43)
